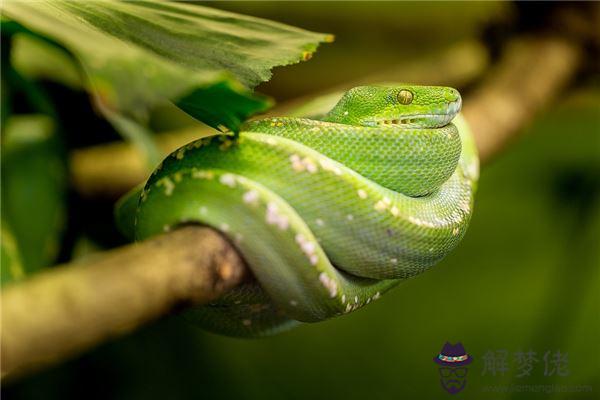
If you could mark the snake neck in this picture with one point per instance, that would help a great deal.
(341, 113)
(413, 162)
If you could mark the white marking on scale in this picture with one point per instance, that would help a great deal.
(380, 206)
(310, 165)
(168, 184)
(328, 283)
(250, 197)
(274, 217)
(228, 180)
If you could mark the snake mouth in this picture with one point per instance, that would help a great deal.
(423, 120)
(416, 121)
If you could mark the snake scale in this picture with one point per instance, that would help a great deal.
(329, 213)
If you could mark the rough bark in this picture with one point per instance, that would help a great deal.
(533, 72)
(70, 308)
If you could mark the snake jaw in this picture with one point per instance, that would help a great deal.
(415, 121)
(421, 120)
(455, 106)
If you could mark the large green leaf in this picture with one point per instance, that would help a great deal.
(137, 55)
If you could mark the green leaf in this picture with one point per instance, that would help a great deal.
(138, 55)
(39, 59)
(33, 190)
(11, 268)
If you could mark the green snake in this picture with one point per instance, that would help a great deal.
(328, 213)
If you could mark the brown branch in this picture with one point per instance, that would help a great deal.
(109, 170)
(74, 307)
(68, 309)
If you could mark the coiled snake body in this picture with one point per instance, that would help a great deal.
(328, 213)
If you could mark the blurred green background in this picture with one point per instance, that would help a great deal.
(525, 277)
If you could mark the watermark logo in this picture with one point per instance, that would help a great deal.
(521, 365)
(453, 360)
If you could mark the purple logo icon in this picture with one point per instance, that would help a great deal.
(453, 361)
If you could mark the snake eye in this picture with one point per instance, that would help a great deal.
(405, 97)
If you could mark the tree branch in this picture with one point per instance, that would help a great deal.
(66, 310)
(532, 73)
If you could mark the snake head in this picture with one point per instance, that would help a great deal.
(406, 106)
